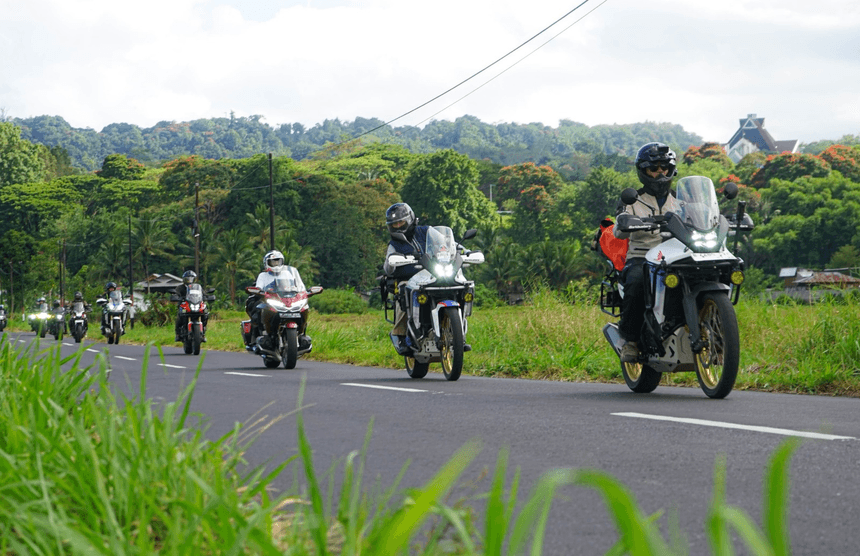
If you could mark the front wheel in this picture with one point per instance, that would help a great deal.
(78, 333)
(451, 329)
(415, 369)
(58, 332)
(640, 378)
(116, 331)
(196, 337)
(291, 350)
(717, 363)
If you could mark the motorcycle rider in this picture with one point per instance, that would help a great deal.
(407, 238)
(656, 165)
(79, 298)
(109, 287)
(273, 264)
(188, 278)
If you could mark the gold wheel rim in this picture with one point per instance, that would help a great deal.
(634, 370)
(709, 361)
(447, 340)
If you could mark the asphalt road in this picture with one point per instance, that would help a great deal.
(663, 446)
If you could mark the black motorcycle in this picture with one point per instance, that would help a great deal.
(57, 321)
(114, 315)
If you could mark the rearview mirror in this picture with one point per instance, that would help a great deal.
(629, 196)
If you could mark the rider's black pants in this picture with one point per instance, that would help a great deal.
(633, 305)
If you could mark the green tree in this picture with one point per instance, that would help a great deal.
(151, 239)
(20, 161)
(442, 189)
(235, 260)
(846, 256)
(120, 167)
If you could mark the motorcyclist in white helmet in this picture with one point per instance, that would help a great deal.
(274, 267)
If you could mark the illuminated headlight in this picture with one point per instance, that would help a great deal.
(707, 240)
(445, 270)
(43, 315)
(195, 307)
(672, 280)
(276, 304)
(59, 317)
(737, 277)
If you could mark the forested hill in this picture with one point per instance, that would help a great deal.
(241, 137)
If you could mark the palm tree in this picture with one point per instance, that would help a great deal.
(258, 226)
(151, 238)
(234, 256)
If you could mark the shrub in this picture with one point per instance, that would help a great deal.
(334, 301)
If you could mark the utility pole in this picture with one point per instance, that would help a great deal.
(197, 229)
(11, 291)
(271, 208)
(63, 275)
(130, 274)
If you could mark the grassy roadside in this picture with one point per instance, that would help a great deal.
(85, 470)
(784, 348)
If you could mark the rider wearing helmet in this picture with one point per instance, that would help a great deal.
(656, 165)
(273, 266)
(188, 278)
(407, 238)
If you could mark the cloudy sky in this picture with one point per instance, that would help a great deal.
(700, 64)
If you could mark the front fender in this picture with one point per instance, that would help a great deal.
(435, 314)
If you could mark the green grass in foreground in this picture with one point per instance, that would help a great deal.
(84, 470)
(784, 348)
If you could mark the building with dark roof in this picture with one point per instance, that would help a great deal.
(751, 136)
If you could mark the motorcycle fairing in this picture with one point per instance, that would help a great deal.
(435, 316)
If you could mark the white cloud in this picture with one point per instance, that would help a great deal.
(701, 65)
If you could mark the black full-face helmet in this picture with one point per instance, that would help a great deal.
(653, 155)
(400, 221)
(188, 277)
(110, 286)
(79, 296)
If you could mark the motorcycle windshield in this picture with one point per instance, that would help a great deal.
(441, 245)
(194, 294)
(284, 283)
(697, 198)
(78, 307)
(43, 307)
(115, 300)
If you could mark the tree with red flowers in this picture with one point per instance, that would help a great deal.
(845, 160)
(789, 166)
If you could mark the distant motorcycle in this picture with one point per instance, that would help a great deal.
(284, 313)
(114, 315)
(3, 319)
(57, 321)
(78, 320)
(437, 300)
(192, 309)
(38, 320)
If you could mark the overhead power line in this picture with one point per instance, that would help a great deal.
(440, 95)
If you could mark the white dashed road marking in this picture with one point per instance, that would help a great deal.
(243, 374)
(752, 428)
(381, 387)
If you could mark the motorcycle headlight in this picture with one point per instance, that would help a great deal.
(707, 240)
(59, 317)
(445, 270)
(276, 304)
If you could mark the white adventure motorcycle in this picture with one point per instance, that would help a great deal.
(692, 284)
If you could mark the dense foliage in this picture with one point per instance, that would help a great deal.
(241, 137)
(535, 214)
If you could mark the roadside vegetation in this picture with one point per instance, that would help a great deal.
(785, 346)
(87, 470)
